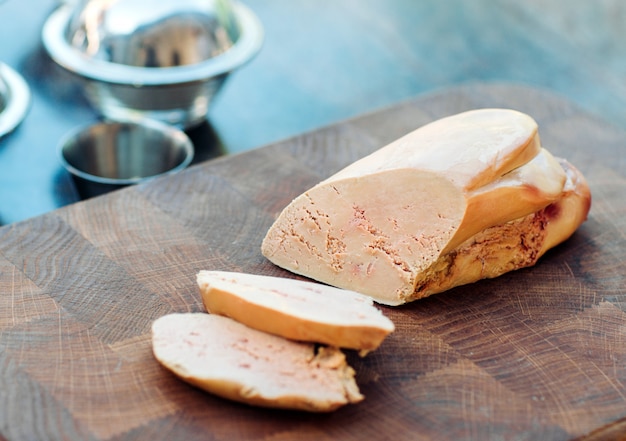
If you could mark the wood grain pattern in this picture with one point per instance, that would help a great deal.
(535, 354)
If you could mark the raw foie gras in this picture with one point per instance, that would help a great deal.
(466, 197)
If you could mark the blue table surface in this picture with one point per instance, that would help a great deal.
(324, 61)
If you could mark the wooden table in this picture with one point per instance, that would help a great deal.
(535, 354)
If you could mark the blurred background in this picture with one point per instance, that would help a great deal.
(323, 61)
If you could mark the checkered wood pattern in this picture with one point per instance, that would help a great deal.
(535, 354)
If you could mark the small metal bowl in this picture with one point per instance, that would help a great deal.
(14, 99)
(107, 156)
(162, 60)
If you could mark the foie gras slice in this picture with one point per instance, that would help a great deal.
(233, 361)
(295, 309)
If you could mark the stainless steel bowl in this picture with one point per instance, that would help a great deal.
(14, 99)
(162, 60)
(107, 156)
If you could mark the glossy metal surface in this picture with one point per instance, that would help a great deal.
(110, 155)
(152, 34)
(14, 99)
(163, 60)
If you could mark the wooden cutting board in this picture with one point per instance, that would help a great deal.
(536, 354)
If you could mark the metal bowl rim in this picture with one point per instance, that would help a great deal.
(243, 50)
(18, 99)
(170, 131)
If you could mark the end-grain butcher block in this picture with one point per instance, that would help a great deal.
(466, 197)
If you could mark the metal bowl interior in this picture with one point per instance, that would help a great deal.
(152, 34)
(112, 155)
(168, 48)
